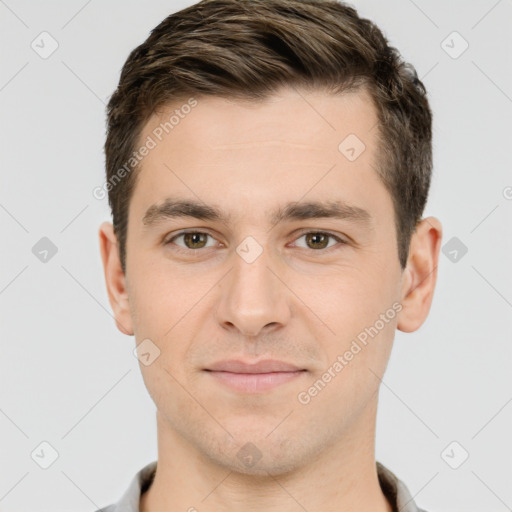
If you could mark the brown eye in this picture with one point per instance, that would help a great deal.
(191, 240)
(195, 240)
(319, 240)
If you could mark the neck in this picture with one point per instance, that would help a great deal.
(343, 477)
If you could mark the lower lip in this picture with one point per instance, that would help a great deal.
(255, 382)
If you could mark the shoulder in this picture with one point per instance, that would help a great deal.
(129, 501)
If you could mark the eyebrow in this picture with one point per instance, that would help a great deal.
(172, 208)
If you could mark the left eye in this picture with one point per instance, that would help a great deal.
(319, 239)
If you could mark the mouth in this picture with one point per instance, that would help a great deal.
(254, 377)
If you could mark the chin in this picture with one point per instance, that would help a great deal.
(256, 455)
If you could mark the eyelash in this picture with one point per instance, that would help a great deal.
(189, 251)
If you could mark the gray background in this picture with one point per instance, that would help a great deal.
(69, 378)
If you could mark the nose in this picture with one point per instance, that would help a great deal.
(253, 298)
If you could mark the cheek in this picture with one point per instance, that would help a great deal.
(348, 297)
(167, 313)
(351, 376)
(361, 310)
(157, 299)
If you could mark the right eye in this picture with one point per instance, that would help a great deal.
(192, 240)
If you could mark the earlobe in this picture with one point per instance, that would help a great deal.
(115, 278)
(420, 275)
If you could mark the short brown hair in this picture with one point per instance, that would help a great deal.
(248, 49)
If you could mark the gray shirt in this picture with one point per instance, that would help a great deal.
(393, 488)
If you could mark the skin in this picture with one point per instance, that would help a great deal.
(296, 302)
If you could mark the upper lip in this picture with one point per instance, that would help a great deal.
(266, 366)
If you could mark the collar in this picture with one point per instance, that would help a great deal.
(394, 489)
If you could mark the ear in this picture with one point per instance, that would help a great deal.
(420, 275)
(115, 278)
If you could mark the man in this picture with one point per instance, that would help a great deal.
(268, 163)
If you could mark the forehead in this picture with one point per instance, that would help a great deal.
(292, 144)
(307, 120)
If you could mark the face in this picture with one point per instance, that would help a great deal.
(270, 277)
